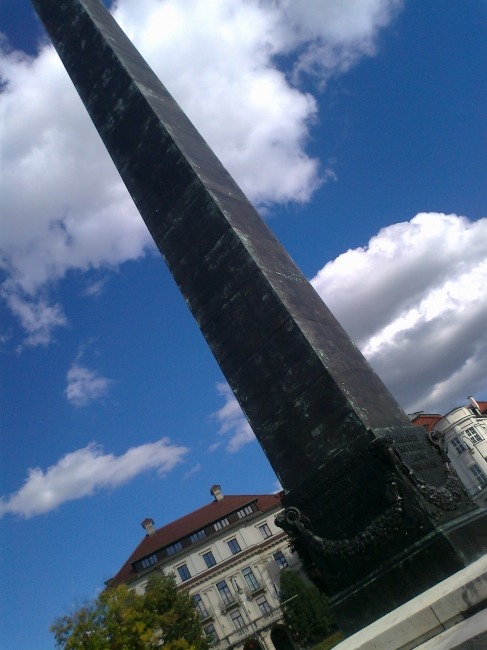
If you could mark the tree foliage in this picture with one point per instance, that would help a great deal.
(309, 567)
(121, 619)
(306, 615)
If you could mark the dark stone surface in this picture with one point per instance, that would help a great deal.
(315, 404)
(270, 332)
(412, 571)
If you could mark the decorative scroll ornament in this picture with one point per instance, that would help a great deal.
(387, 526)
(370, 540)
(449, 496)
(376, 535)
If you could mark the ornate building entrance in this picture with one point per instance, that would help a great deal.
(280, 639)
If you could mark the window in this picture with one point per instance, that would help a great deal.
(479, 474)
(225, 593)
(234, 546)
(197, 536)
(237, 619)
(148, 561)
(263, 605)
(458, 445)
(250, 579)
(209, 559)
(244, 512)
(281, 560)
(200, 606)
(184, 573)
(265, 531)
(474, 434)
(221, 524)
(210, 632)
(170, 550)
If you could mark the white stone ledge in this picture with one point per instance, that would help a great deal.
(426, 616)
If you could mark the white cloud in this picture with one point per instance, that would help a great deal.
(193, 470)
(84, 385)
(334, 35)
(95, 288)
(232, 421)
(82, 473)
(63, 205)
(277, 487)
(414, 301)
(37, 317)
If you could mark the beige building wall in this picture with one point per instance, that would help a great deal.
(248, 609)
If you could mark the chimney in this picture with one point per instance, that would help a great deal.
(215, 490)
(474, 406)
(148, 524)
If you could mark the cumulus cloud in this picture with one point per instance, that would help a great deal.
(63, 205)
(84, 385)
(414, 301)
(333, 35)
(84, 472)
(232, 421)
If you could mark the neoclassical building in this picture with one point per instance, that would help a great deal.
(229, 554)
(465, 434)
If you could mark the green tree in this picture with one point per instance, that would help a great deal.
(121, 619)
(309, 567)
(305, 609)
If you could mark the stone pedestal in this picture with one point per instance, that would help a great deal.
(451, 615)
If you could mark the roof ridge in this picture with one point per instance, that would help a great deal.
(193, 521)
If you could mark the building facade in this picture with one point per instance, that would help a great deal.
(229, 554)
(464, 430)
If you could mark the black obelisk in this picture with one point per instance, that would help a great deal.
(370, 496)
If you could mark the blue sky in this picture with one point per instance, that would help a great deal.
(358, 128)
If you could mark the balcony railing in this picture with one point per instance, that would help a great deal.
(249, 630)
(257, 591)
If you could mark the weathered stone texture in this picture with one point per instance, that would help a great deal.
(312, 399)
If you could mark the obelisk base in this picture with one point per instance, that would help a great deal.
(456, 605)
(437, 557)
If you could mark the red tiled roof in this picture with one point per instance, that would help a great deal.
(189, 524)
(426, 420)
(482, 407)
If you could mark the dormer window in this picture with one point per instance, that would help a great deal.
(149, 561)
(244, 512)
(221, 524)
(197, 536)
(174, 548)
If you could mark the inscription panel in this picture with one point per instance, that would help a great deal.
(418, 455)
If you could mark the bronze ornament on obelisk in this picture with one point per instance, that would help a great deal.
(372, 497)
